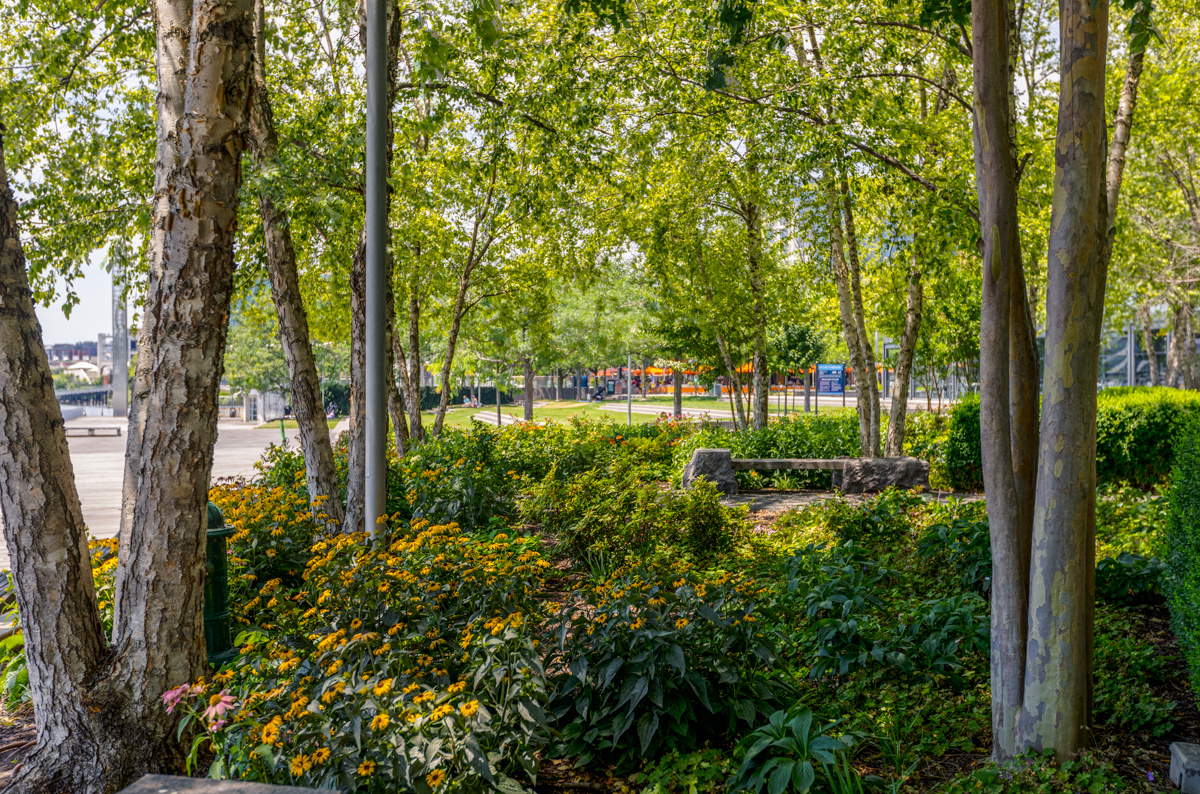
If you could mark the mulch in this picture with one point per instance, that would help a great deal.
(17, 736)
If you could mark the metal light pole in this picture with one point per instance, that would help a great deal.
(374, 501)
(629, 389)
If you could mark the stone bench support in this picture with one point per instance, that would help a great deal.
(170, 784)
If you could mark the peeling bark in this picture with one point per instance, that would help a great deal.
(356, 463)
(868, 377)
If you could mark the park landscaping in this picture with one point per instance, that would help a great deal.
(543, 611)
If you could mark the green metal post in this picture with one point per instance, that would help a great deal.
(217, 628)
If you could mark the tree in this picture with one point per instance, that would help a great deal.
(98, 710)
(307, 405)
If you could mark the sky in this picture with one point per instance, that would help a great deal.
(90, 317)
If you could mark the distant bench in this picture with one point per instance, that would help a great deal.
(93, 431)
(850, 475)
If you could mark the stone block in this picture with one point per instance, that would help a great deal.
(716, 466)
(169, 784)
(1185, 767)
(871, 475)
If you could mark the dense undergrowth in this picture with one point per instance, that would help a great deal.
(541, 595)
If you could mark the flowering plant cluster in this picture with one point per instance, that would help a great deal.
(407, 663)
(274, 526)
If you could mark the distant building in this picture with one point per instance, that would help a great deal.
(64, 354)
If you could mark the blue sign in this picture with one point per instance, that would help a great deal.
(831, 379)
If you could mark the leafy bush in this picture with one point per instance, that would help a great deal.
(456, 477)
(613, 510)
(667, 657)
(925, 434)
(273, 531)
(1130, 519)
(532, 450)
(701, 772)
(1129, 579)
(838, 596)
(966, 545)
(1183, 558)
(1136, 430)
(413, 663)
(931, 639)
(1125, 668)
(784, 754)
(962, 454)
(882, 517)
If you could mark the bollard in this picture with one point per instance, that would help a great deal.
(217, 631)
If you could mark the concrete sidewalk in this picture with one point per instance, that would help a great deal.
(99, 464)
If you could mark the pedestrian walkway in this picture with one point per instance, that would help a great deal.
(99, 465)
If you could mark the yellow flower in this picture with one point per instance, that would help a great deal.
(383, 687)
(469, 708)
(435, 778)
(366, 768)
(679, 624)
(380, 722)
(300, 764)
(321, 755)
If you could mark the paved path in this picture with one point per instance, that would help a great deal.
(99, 464)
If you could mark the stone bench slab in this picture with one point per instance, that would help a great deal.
(169, 784)
(775, 464)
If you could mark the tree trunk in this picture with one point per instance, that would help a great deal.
(677, 392)
(1175, 348)
(1058, 663)
(43, 525)
(108, 726)
(172, 22)
(395, 405)
(735, 385)
(753, 217)
(410, 367)
(1148, 341)
(558, 384)
(996, 180)
(849, 326)
(864, 340)
(307, 404)
(908, 343)
(460, 300)
(356, 464)
(527, 367)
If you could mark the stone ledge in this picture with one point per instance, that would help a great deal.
(1185, 767)
(170, 784)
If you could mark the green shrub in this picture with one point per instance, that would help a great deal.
(1125, 667)
(1129, 579)
(881, 517)
(1183, 538)
(457, 477)
(1135, 436)
(701, 772)
(1038, 774)
(1136, 431)
(658, 660)
(1130, 519)
(614, 510)
(962, 454)
(966, 545)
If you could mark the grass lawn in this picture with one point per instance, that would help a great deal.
(290, 424)
(560, 411)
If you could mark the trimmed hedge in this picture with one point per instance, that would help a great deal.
(1183, 540)
(1136, 430)
(962, 453)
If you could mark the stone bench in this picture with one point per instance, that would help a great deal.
(169, 784)
(850, 475)
(93, 431)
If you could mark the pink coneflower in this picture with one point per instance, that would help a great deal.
(218, 705)
(172, 696)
